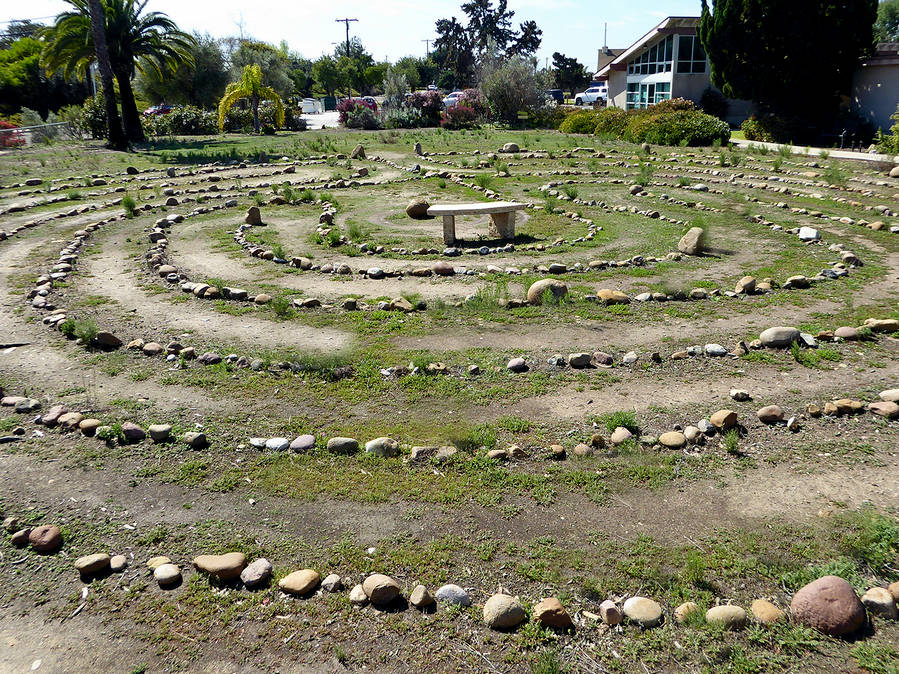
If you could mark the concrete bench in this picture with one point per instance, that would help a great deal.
(502, 217)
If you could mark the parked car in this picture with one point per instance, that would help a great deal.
(452, 99)
(369, 101)
(556, 95)
(158, 110)
(432, 87)
(592, 95)
(311, 106)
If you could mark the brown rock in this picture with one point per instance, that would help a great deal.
(610, 613)
(557, 289)
(380, 589)
(549, 612)
(300, 582)
(828, 605)
(890, 410)
(766, 612)
(46, 538)
(724, 419)
(770, 414)
(417, 209)
(224, 567)
(608, 296)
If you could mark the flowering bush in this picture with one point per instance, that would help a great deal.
(459, 116)
(348, 105)
(428, 105)
(10, 136)
(474, 99)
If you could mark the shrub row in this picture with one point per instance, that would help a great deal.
(674, 122)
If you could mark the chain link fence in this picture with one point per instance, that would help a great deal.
(25, 136)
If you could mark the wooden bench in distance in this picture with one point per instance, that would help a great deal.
(502, 217)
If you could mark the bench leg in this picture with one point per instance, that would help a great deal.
(449, 229)
(502, 225)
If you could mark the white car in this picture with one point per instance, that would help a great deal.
(311, 106)
(452, 99)
(592, 95)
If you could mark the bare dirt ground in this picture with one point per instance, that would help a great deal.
(757, 510)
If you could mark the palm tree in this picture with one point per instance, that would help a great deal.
(116, 136)
(136, 41)
(250, 86)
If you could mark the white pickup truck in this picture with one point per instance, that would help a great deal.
(593, 94)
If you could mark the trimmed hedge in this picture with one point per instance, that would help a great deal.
(675, 122)
(678, 128)
(583, 121)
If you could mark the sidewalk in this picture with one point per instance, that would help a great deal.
(816, 151)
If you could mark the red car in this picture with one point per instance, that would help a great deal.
(158, 110)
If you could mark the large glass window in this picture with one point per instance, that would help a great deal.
(690, 55)
(640, 95)
(654, 59)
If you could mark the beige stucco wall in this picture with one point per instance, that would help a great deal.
(617, 89)
(875, 94)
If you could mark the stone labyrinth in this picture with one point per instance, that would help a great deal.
(257, 414)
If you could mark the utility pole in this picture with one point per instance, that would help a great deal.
(349, 92)
(347, 22)
(427, 48)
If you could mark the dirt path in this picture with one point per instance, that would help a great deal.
(108, 275)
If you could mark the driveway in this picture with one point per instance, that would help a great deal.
(324, 120)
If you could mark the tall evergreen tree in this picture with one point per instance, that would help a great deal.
(758, 51)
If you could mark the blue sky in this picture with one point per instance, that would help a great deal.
(394, 28)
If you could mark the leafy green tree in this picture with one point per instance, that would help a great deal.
(354, 64)
(510, 86)
(135, 41)
(408, 67)
(23, 83)
(886, 28)
(755, 55)
(251, 87)
(301, 74)
(17, 29)
(569, 73)
(453, 48)
(201, 81)
(327, 75)
(273, 63)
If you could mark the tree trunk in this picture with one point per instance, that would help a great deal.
(255, 102)
(130, 116)
(98, 32)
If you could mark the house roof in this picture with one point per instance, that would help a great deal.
(669, 25)
(885, 54)
(606, 56)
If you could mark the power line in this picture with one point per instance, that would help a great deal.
(37, 18)
(347, 22)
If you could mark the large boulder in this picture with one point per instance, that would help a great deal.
(254, 217)
(830, 606)
(503, 611)
(557, 288)
(300, 582)
(418, 209)
(223, 567)
(380, 589)
(358, 152)
(46, 538)
(693, 242)
(643, 611)
(779, 337)
(549, 612)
